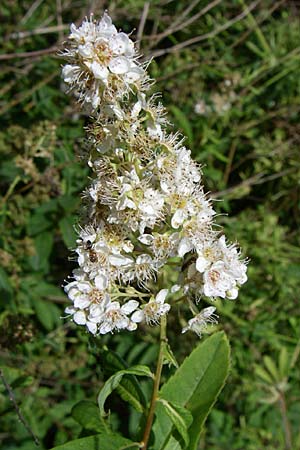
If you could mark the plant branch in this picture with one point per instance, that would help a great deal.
(18, 411)
(160, 360)
(208, 35)
(285, 421)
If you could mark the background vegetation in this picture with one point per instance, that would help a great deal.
(229, 76)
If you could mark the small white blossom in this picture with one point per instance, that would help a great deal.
(116, 317)
(199, 323)
(101, 61)
(153, 310)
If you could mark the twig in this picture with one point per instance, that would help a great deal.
(142, 24)
(59, 19)
(249, 182)
(18, 411)
(205, 36)
(157, 37)
(256, 179)
(176, 26)
(184, 13)
(38, 31)
(31, 10)
(179, 70)
(45, 51)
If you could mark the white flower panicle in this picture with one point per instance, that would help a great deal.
(145, 209)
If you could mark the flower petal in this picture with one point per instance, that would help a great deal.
(101, 282)
(119, 65)
(138, 316)
(99, 71)
(92, 327)
(202, 264)
(79, 318)
(161, 296)
(130, 306)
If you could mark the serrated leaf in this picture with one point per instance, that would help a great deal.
(194, 386)
(99, 441)
(181, 418)
(86, 413)
(114, 381)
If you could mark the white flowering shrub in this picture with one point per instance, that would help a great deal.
(145, 210)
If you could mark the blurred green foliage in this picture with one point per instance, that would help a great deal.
(234, 91)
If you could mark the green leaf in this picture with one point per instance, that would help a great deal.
(114, 381)
(284, 362)
(129, 395)
(181, 418)
(194, 386)
(47, 313)
(44, 289)
(100, 441)
(271, 366)
(173, 444)
(86, 413)
(68, 203)
(66, 226)
(264, 375)
(43, 246)
(43, 218)
(169, 356)
(129, 388)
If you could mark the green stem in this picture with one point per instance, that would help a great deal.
(285, 421)
(11, 188)
(160, 360)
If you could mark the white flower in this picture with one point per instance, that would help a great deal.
(162, 245)
(150, 208)
(88, 300)
(116, 317)
(234, 265)
(101, 62)
(217, 281)
(199, 323)
(153, 310)
(207, 255)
